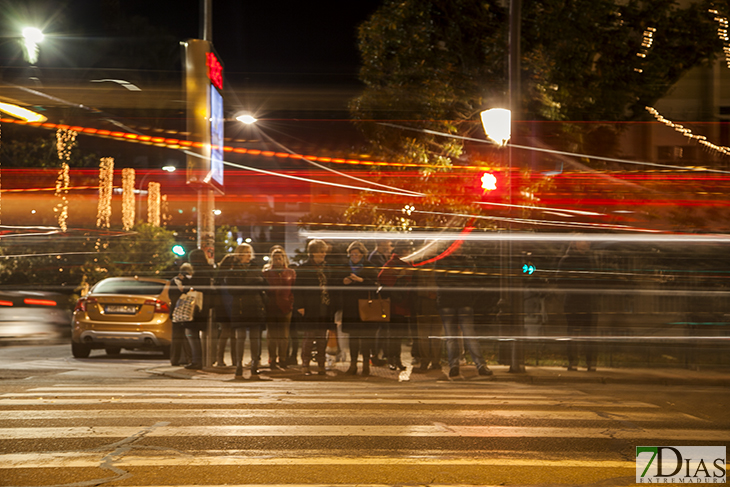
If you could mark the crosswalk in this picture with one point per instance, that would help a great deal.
(162, 432)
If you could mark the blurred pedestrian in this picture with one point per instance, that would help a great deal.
(180, 353)
(280, 280)
(246, 286)
(455, 300)
(201, 281)
(577, 281)
(396, 278)
(313, 302)
(223, 314)
(382, 252)
(428, 321)
(356, 281)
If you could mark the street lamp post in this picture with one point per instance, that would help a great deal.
(32, 36)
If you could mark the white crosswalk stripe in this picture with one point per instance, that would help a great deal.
(126, 430)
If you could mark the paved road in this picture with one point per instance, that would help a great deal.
(118, 422)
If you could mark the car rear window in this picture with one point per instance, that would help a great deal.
(129, 287)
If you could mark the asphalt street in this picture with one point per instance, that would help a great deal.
(134, 420)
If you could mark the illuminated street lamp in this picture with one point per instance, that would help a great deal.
(497, 125)
(31, 38)
(246, 119)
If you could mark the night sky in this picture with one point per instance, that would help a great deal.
(253, 38)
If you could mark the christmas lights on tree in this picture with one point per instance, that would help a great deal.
(65, 141)
(106, 181)
(128, 206)
(153, 204)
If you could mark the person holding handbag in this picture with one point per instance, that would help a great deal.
(356, 281)
(180, 353)
(201, 281)
(246, 286)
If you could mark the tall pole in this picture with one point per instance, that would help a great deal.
(206, 196)
(515, 21)
(206, 204)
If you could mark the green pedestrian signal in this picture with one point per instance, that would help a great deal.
(528, 269)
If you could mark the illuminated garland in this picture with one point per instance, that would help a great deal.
(646, 43)
(106, 180)
(722, 33)
(128, 198)
(166, 216)
(153, 204)
(65, 142)
(688, 133)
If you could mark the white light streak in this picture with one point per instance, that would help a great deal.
(487, 236)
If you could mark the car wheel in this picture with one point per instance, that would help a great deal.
(79, 350)
(113, 350)
(166, 351)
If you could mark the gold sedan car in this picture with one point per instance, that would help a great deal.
(123, 312)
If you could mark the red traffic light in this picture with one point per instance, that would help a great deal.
(489, 182)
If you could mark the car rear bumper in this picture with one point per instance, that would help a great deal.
(124, 339)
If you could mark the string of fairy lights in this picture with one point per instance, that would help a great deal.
(153, 203)
(646, 44)
(128, 203)
(688, 133)
(106, 181)
(65, 142)
(722, 33)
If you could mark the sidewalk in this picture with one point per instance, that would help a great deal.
(532, 375)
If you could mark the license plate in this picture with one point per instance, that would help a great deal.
(120, 309)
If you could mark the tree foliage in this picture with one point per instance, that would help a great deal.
(435, 64)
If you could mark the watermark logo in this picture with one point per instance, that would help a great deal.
(680, 464)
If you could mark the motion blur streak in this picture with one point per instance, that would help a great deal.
(537, 237)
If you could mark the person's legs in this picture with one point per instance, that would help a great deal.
(355, 345)
(436, 342)
(465, 319)
(240, 334)
(284, 339)
(193, 335)
(321, 342)
(223, 337)
(451, 329)
(589, 344)
(307, 345)
(255, 337)
(176, 347)
(574, 331)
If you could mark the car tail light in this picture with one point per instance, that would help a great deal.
(83, 303)
(39, 302)
(5, 303)
(160, 306)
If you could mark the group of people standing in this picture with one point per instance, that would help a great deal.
(307, 300)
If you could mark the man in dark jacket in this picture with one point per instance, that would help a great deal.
(313, 302)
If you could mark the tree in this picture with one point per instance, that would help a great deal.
(434, 64)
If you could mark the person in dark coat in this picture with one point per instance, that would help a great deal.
(180, 353)
(247, 313)
(356, 281)
(313, 302)
(455, 300)
(396, 278)
(201, 281)
(578, 285)
(223, 314)
(280, 280)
